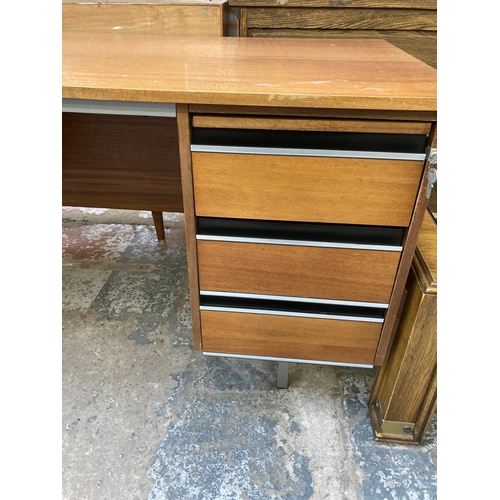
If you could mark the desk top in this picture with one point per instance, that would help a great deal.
(310, 73)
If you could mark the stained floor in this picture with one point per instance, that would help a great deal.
(144, 417)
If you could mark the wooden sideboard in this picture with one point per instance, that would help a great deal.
(410, 25)
(404, 395)
(303, 183)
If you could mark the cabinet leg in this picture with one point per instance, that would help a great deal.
(283, 375)
(160, 228)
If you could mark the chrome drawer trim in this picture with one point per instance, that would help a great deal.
(286, 360)
(214, 293)
(92, 106)
(330, 153)
(301, 243)
(271, 312)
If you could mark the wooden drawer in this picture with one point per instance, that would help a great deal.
(302, 271)
(305, 188)
(289, 337)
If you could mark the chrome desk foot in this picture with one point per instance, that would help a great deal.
(283, 375)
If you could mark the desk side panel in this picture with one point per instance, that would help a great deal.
(123, 162)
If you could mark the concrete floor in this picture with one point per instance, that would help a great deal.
(146, 417)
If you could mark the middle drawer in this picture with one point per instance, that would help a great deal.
(301, 271)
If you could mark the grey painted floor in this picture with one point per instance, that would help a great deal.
(146, 417)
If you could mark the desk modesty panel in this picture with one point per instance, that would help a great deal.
(343, 129)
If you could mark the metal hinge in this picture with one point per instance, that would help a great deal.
(431, 155)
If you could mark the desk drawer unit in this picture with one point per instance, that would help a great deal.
(300, 228)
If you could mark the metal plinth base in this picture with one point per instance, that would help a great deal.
(283, 375)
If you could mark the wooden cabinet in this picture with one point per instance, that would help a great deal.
(404, 393)
(410, 25)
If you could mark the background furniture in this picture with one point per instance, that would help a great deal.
(403, 398)
(410, 25)
(127, 156)
(147, 17)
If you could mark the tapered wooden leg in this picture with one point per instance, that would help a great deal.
(160, 228)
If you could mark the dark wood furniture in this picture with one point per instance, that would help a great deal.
(318, 161)
(410, 25)
(127, 157)
(404, 394)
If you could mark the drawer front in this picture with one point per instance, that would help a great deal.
(305, 188)
(330, 273)
(289, 337)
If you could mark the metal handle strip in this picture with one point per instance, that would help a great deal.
(92, 106)
(302, 243)
(331, 153)
(271, 312)
(214, 293)
(286, 360)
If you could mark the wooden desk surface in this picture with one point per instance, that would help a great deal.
(312, 73)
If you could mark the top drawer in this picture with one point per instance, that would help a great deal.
(323, 175)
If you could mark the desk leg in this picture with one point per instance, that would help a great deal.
(283, 375)
(160, 228)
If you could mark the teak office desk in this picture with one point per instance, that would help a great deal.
(304, 178)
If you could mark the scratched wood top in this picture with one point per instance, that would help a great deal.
(312, 73)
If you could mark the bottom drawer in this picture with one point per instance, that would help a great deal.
(289, 337)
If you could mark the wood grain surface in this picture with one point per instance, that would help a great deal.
(420, 44)
(409, 246)
(338, 18)
(289, 337)
(114, 161)
(413, 358)
(318, 125)
(308, 189)
(406, 384)
(425, 259)
(148, 2)
(184, 131)
(372, 4)
(328, 273)
(349, 114)
(352, 74)
(143, 18)
(410, 25)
